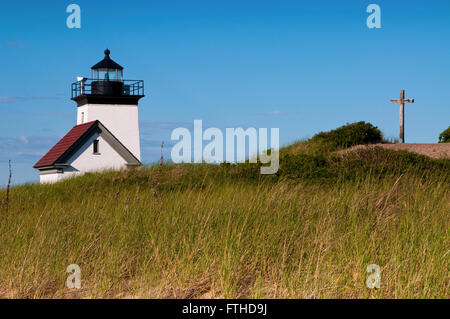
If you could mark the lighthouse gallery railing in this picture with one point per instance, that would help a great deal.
(130, 87)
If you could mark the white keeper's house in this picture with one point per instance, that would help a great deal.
(107, 132)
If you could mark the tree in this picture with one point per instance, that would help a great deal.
(445, 136)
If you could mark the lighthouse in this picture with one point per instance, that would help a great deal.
(107, 132)
(109, 98)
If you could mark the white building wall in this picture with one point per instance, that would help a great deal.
(121, 120)
(82, 114)
(84, 160)
(50, 178)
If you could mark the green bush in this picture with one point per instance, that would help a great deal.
(350, 135)
(379, 162)
(358, 164)
(304, 166)
(445, 136)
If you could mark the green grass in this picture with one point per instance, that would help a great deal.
(192, 231)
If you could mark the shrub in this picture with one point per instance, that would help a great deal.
(304, 166)
(381, 162)
(445, 136)
(350, 135)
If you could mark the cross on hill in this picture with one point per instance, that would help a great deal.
(402, 102)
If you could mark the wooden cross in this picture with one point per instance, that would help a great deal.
(402, 102)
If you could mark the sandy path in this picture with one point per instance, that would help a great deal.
(441, 150)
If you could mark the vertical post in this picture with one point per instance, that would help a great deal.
(402, 116)
(161, 160)
(8, 187)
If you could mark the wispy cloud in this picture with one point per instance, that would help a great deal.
(25, 148)
(277, 112)
(23, 139)
(45, 97)
(147, 126)
(10, 99)
(155, 143)
(14, 44)
(14, 99)
(61, 114)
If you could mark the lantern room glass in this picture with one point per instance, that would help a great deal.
(107, 75)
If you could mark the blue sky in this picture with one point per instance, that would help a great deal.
(301, 66)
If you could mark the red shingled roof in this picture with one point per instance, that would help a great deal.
(64, 144)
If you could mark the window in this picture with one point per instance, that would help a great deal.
(96, 147)
(82, 117)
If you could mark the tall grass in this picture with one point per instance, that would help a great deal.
(194, 231)
(209, 232)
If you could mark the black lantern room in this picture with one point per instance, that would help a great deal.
(107, 77)
(107, 85)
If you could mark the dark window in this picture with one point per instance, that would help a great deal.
(96, 147)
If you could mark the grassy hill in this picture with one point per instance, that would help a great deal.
(193, 231)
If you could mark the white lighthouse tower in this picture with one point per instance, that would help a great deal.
(113, 101)
(107, 132)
